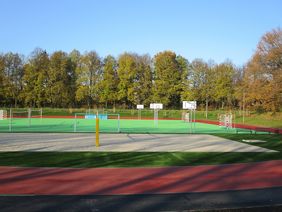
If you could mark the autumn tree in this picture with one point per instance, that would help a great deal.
(263, 74)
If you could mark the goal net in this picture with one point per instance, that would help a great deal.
(225, 120)
(3, 114)
(85, 122)
(186, 117)
(35, 113)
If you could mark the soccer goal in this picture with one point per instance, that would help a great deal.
(3, 114)
(156, 107)
(19, 118)
(35, 113)
(85, 122)
(226, 120)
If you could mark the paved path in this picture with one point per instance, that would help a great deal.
(117, 181)
(122, 143)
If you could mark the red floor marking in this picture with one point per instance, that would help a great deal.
(72, 181)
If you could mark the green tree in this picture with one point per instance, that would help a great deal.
(202, 81)
(13, 76)
(60, 80)
(127, 70)
(143, 81)
(88, 76)
(109, 82)
(75, 59)
(2, 81)
(35, 79)
(223, 88)
(185, 69)
(167, 79)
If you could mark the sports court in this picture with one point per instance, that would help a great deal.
(64, 142)
(112, 125)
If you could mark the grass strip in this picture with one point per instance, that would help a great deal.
(128, 159)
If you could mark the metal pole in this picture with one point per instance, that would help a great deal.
(138, 114)
(74, 123)
(29, 117)
(10, 122)
(41, 114)
(190, 120)
(118, 123)
(234, 125)
(244, 108)
(156, 117)
(194, 120)
(97, 132)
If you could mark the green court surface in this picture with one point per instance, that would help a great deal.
(111, 126)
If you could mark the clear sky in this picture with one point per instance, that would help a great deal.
(207, 29)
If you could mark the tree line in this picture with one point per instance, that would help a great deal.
(74, 79)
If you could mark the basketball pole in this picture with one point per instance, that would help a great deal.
(97, 131)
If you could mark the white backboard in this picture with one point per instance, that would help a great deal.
(140, 107)
(191, 105)
(156, 106)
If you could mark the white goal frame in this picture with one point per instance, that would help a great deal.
(84, 114)
(226, 120)
(3, 114)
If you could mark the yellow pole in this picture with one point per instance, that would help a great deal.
(97, 132)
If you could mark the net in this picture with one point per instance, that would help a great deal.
(225, 120)
(85, 122)
(35, 113)
(186, 117)
(3, 114)
(20, 118)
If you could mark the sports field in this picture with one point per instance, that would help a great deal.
(112, 126)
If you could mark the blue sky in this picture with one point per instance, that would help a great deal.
(207, 29)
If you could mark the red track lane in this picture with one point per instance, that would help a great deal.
(115, 181)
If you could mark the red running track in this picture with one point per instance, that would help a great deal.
(115, 181)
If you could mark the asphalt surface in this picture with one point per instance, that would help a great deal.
(122, 143)
(248, 200)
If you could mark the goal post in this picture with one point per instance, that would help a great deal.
(190, 115)
(226, 120)
(35, 113)
(84, 122)
(19, 117)
(3, 114)
(156, 107)
(117, 117)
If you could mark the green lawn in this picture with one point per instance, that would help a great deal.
(143, 159)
